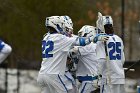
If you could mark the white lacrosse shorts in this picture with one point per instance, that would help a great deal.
(87, 87)
(53, 83)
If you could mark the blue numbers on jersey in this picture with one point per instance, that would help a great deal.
(46, 48)
(115, 52)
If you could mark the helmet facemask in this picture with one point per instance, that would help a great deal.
(68, 26)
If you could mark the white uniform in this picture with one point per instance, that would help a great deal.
(51, 77)
(70, 78)
(112, 69)
(68, 75)
(5, 50)
(87, 68)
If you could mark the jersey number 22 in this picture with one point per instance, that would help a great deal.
(46, 48)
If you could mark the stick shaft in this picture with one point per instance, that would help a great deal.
(108, 66)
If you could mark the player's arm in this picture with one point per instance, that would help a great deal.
(82, 41)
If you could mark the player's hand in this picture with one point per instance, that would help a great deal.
(101, 37)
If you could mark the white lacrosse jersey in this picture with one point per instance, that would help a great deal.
(115, 50)
(87, 64)
(55, 49)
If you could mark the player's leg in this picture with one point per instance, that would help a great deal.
(105, 88)
(102, 88)
(44, 87)
(74, 90)
(115, 88)
(118, 88)
(50, 84)
(4, 52)
(57, 83)
(72, 81)
(86, 87)
(69, 83)
(122, 88)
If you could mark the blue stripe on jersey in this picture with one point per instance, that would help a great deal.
(84, 88)
(82, 41)
(63, 83)
(1, 45)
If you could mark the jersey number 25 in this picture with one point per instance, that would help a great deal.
(115, 50)
(46, 48)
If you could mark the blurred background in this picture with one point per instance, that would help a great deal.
(22, 25)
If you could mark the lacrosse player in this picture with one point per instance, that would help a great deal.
(5, 50)
(111, 57)
(87, 65)
(55, 47)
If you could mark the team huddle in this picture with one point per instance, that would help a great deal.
(81, 63)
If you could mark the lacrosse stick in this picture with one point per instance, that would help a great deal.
(108, 67)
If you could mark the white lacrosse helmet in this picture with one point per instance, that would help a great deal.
(60, 23)
(69, 20)
(87, 31)
(56, 22)
(68, 25)
(102, 21)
